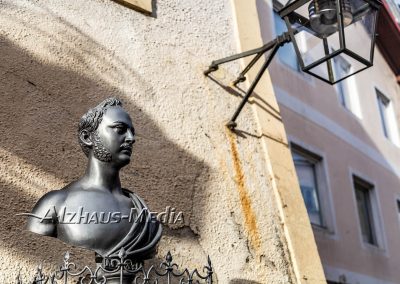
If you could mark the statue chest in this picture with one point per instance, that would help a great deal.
(95, 220)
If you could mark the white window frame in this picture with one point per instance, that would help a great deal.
(397, 203)
(387, 117)
(379, 230)
(347, 91)
(323, 186)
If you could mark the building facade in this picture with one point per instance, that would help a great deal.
(237, 191)
(345, 145)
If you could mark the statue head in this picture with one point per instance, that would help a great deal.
(106, 131)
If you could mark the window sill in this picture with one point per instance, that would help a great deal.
(374, 248)
(391, 142)
(323, 231)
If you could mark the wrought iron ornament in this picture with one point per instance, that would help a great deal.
(115, 270)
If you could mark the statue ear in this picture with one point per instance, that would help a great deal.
(86, 138)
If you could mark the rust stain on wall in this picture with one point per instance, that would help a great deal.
(245, 201)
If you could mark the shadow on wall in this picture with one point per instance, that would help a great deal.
(41, 106)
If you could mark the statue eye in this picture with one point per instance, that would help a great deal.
(120, 129)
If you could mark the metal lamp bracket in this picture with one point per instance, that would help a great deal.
(273, 45)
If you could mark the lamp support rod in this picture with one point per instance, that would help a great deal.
(273, 45)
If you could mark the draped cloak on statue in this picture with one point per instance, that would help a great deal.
(142, 238)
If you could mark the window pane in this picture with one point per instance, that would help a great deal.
(359, 35)
(365, 211)
(398, 208)
(342, 69)
(311, 201)
(383, 104)
(305, 169)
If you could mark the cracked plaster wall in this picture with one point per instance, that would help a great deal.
(58, 58)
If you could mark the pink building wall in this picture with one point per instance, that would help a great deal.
(350, 142)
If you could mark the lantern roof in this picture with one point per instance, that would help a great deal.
(285, 7)
(297, 11)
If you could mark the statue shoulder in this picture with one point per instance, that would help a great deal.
(54, 198)
(43, 218)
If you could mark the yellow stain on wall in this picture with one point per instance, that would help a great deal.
(245, 201)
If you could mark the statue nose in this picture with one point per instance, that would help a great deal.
(130, 137)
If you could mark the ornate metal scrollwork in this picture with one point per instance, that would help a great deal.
(120, 269)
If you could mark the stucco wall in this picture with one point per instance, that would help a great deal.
(59, 58)
(349, 144)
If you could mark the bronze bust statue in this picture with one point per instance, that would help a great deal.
(95, 212)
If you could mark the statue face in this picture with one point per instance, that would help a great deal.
(115, 136)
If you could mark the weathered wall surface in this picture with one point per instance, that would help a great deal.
(59, 58)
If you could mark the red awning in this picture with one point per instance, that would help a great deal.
(388, 39)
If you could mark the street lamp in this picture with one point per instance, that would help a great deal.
(325, 34)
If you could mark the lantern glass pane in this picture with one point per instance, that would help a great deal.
(337, 68)
(303, 10)
(313, 48)
(360, 34)
(315, 37)
(282, 3)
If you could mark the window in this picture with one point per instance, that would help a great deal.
(342, 68)
(363, 192)
(314, 186)
(398, 208)
(383, 104)
(346, 89)
(286, 53)
(387, 117)
(306, 165)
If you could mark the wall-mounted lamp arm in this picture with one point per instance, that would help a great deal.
(259, 51)
(273, 45)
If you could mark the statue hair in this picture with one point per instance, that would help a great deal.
(91, 120)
